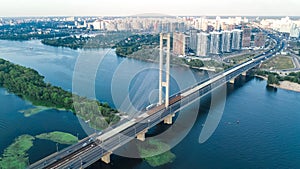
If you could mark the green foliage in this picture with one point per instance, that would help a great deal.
(292, 77)
(29, 85)
(106, 40)
(59, 137)
(33, 111)
(15, 156)
(134, 43)
(33, 30)
(272, 80)
(194, 63)
(149, 150)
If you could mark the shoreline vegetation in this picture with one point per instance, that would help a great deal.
(15, 156)
(142, 47)
(103, 40)
(35, 110)
(145, 48)
(150, 148)
(29, 85)
(289, 82)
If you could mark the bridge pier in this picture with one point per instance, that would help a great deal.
(244, 74)
(141, 135)
(232, 81)
(164, 83)
(169, 119)
(106, 158)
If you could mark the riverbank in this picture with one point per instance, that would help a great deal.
(151, 55)
(29, 85)
(100, 41)
(286, 85)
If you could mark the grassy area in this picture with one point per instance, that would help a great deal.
(279, 63)
(150, 148)
(33, 111)
(15, 156)
(59, 137)
(241, 59)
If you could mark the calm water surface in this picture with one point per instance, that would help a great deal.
(265, 137)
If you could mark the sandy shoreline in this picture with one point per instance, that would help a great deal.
(286, 85)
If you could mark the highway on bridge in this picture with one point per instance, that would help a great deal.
(93, 148)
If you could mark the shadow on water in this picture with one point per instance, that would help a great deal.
(271, 89)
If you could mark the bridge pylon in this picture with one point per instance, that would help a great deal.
(164, 83)
(106, 158)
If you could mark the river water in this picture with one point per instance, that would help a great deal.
(259, 127)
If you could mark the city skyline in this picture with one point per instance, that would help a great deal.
(13, 8)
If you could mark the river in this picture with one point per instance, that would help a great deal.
(258, 128)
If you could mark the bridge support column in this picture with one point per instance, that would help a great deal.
(106, 157)
(169, 119)
(141, 135)
(232, 81)
(244, 74)
(164, 83)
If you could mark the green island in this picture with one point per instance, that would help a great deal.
(33, 111)
(150, 148)
(29, 85)
(59, 137)
(104, 40)
(15, 156)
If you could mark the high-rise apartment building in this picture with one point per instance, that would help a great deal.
(226, 41)
(179, 43)
(193, 39)
(246, 37)
(203, 44)
(216, 43)
(237, 39)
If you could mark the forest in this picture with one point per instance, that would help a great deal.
(104, 40)
(134, 43)
(29, 85)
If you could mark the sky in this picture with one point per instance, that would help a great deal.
(132, 7)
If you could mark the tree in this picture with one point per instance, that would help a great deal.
(272, 79)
